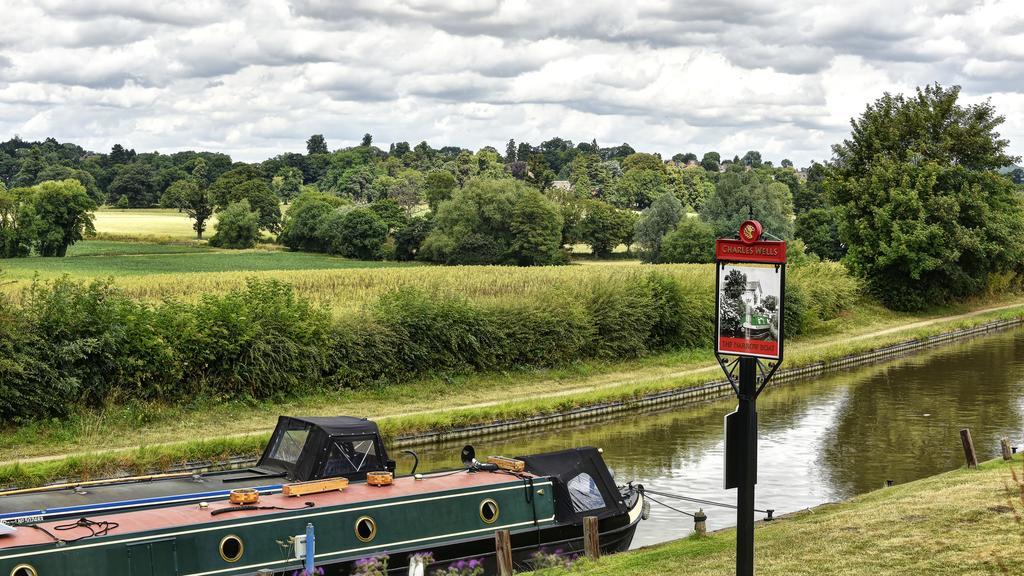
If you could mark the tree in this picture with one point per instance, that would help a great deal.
(1017, 175)
(193, 200)
(238, 226)
(17, 224)
(684, 158)
(246, 182)
(692, 241)
(63, 215)
(642, 161)
(287, 183)
(438, 187)
(301, 230)
(409, 238)
(367, 140)
(819, 229)
(65, 172)
(711, 161)
(812, 193)
(691, 186)
(136, 183)
(510, 151)
(656, 221)
(602, 227)
(316, 145)
(390, 213)
(786, 163)
(741, 195)
(538, 172)
(925, 215)
(536, 230)
(752, 158)
(636, 189)
(360, 234)
(495, 222)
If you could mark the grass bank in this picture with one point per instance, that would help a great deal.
(239, 428)
(965, 522)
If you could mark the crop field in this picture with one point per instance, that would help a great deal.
(153, 223)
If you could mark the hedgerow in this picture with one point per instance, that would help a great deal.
(65, 344)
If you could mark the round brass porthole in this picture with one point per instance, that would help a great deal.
(366, 529)
(24, 570)
(231, 548)
(489, 511)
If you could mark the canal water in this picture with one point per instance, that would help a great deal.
(820, 441)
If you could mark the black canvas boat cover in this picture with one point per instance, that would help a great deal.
(583, 485)
(324, 447)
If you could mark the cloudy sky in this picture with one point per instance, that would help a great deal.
(257, 78)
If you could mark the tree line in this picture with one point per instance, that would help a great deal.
(921, 200)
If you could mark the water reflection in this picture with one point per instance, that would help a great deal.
(819, 441)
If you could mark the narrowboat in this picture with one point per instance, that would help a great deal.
(334, 474)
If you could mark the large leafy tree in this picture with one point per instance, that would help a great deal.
(603, 227)
(63, 212)
(316, 144)
(17, 224)
(496, 222)
(925, 215)
(192, 196)
(238, 226)
(135, 183)
(247, 183)
(740, 195)
(656, 221)
(692, 241)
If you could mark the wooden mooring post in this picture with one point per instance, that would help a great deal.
(700, 522)
(969, 454)
(591, 538)
(1007, 452)
(503, 552)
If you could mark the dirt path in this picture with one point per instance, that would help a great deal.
(599, 382)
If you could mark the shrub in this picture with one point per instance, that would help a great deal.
(102, 339)
(31, 387)
(254, 343)
(238, 226)
(692, 241)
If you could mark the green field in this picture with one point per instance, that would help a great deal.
(104, 258)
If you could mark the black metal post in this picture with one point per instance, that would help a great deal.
(747, 413)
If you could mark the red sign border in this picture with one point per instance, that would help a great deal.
(761, 252)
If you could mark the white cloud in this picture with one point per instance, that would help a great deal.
(255, 78)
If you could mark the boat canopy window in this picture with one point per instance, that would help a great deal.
(584, 493)
(352, 454)
(288, 444)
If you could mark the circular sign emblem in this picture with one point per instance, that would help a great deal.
(750, 231)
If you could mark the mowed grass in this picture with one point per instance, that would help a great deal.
(961, 523)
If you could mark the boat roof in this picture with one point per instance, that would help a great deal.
(337, 425)
(189, 515)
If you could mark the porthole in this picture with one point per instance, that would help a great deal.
(24, 570)
(366, 529)
(489, 511)
(231, 548)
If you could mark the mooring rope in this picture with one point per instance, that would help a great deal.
(770, 512)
